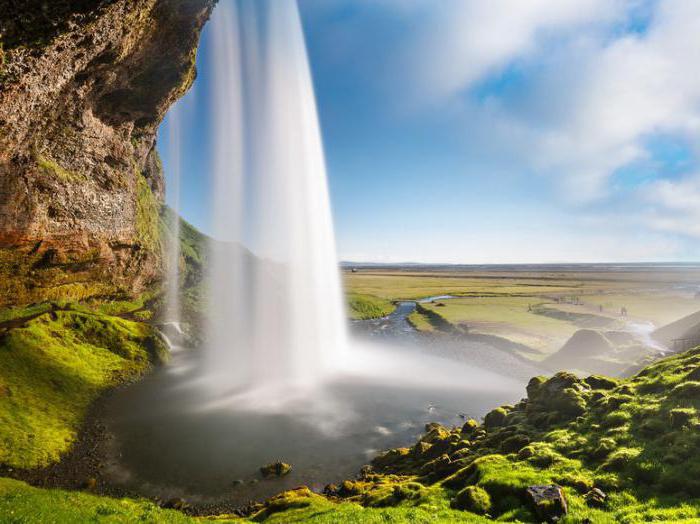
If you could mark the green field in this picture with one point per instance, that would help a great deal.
(362, 306)
(540, 310)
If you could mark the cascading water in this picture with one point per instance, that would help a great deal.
(276, 314)
(172, 315)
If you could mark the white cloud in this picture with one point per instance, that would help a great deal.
(593, 93)
(674, 206)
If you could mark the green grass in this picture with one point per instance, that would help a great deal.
(510, 305)
(506, 317)
(420, 322)
(52, 368)
(362, 306)
(20, 503)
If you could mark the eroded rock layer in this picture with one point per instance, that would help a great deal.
(83, 87)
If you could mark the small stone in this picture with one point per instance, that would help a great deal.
(548, 502)
(236, 483)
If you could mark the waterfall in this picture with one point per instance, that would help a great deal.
(276, 319)
(172, 308)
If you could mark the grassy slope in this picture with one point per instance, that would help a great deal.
(22, 503)
(52, 367)
(636, 439)
(362, 306)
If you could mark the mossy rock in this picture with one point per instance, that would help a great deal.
(275, 469)
(601, 382)
(436, 433)
(474, 499)
(469, 427)
(495, 418)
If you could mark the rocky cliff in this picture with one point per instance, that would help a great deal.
(83, 87)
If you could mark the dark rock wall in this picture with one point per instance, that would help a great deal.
(83, 87)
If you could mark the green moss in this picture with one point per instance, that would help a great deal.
(495, 418)
(147, 216)
(474, 499)
(54, 169)
(52, 368)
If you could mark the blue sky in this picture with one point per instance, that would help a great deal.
(504, 131)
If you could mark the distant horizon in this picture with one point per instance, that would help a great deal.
(349, 263)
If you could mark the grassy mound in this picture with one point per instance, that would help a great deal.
(53, 366)
(362, 307)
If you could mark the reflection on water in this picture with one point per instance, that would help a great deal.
(171, 437)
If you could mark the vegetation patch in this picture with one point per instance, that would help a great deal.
(54, 169)
(52, 367)
(363, 307)
(147, 213)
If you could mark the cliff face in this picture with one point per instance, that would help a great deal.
(83, 87)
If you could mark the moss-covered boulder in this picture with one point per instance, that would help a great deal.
(474, 499)
(275, 469)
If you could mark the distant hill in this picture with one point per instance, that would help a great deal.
(685, 328)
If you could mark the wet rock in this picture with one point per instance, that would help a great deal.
(548, 502)
(237, 483)
(595, 498)
(275, 469)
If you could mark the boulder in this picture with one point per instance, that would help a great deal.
(474, 499)
(495, 418)
(548, 502)
(469, 427)
(275, 469)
